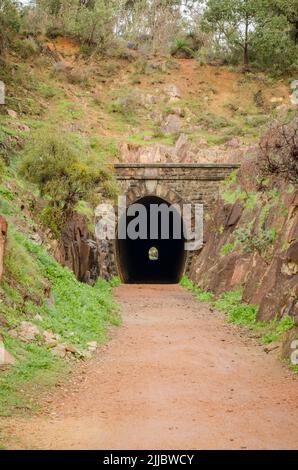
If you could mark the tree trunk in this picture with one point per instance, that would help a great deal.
(245, 50)
(245, 57)
(3, 234)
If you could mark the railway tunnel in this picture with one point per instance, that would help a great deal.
(158, 254)
(157, 259)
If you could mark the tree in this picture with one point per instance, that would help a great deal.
(9, 23)
(155, 21)
(233, 21)
(63, 176)
(265, 30)
(289, 10)
(95, 21)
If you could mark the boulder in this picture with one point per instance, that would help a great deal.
(235, 214)
(172, 124)
(50, 339)
(292, 253)
(289, 345)
(6, 359)
(92, 346)
(173, 92)
(13, 114)
(233, 143)
(60, 351)
(26, 332)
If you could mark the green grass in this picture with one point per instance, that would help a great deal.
(200, 294)
(77, 312)
(227, 248)
(277, 328)
(241, 313)
(230, 197)
(238, 312)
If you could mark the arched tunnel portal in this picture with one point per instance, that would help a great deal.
(158, 254)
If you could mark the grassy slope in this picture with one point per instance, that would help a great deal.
(218, 103)
(34, 283)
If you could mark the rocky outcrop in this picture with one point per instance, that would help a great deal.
(3, 235)
(251, 241)
(87, 257)
(184, 150)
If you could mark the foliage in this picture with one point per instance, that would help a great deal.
(26, 47)
(9, 23)
(259, 32)
(258, 241)
(201, 294)
(230, 196)
(182, 47)
(226, 249)
(273, 47)
(264, 31)
(238, 312)
(278, 151)
(91, 22)
(211, 121)
(277, 328)
(62, 174)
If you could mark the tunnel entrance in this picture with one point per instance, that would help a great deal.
(153, 260)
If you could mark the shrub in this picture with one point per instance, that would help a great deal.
(78, 77)
(212, 121)
(26, 47)
(278, 151)
(255, 242)
(182, 48)
(9, 23)
(226, 249)
(277, 328)
(63, 176)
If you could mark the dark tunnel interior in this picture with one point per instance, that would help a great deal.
(153, 260)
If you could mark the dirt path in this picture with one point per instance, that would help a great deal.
(175, 376)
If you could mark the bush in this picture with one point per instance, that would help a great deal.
(273, 47)
(63, 176)
(26, 48)
(9, 23)
(182, 48)
(212, 121)
(278, 151)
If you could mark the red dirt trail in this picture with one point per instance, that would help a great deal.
(174, 376)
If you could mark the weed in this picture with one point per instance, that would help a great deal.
(201, 294)
(226, 249)
(276, 328)
(238, 312)
(230, 197)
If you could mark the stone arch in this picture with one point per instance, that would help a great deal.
(153, 190)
